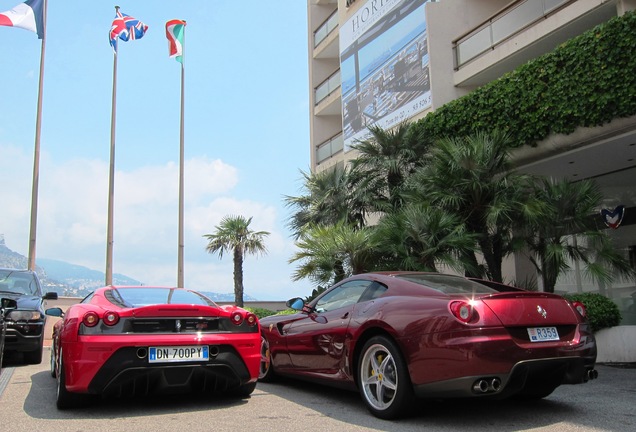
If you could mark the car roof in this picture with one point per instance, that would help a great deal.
(17, 270)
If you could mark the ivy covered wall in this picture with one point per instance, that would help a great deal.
(587, 81)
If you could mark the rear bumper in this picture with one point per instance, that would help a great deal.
(116, 364)
(516, 365)
(524, 375)
(126, 374)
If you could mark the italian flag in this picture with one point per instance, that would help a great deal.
(174, 32)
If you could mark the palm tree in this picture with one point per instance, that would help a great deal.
(470, 177)
(386, 159)
(421, 237)
(233, 234)
(330, 253)
(566, 232)
(329, 199)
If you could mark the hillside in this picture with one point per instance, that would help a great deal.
(71, 280)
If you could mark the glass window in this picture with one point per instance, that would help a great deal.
(346, 294)
(374, 291)
(137, 297)
(449, 284)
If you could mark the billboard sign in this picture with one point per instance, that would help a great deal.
(384, 66)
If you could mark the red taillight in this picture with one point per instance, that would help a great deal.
(580, 308)
(462, 310)
(251, 319)
(111, 318)
(90, 319)
(237, 318)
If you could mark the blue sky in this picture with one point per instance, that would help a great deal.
(246, 137)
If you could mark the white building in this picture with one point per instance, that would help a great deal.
(383, 61)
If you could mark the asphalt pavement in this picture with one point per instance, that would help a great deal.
(27, 402)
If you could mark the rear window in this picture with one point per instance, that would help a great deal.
(136, 297)
(448, 284)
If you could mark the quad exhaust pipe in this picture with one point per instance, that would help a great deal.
(487, 385)
(493, 385)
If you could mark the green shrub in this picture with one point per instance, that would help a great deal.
(262, 312)
(601, 311)
(587, 81)
(286, 312)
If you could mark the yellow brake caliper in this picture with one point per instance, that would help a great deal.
(379, 358)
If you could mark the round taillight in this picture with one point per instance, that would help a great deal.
(461, 310)
(111, 318)
(237, 318)
(580, 308)
(251, 319)
(90, 319)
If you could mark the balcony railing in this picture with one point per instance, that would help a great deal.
(329, 148)
(506, 23)
(327, 87)
(326, 28)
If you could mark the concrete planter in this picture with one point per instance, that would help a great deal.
(616, 344)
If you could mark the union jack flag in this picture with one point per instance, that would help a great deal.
(125, 28)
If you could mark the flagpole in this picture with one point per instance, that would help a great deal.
(180, 276)
(36, 153)
(111, 177)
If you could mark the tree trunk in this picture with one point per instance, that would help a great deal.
(475, 269)
(238, 277)
(549, 279)
(339, 272)
(494, 268)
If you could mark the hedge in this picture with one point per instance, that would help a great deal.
(601, 311)
(587, 81)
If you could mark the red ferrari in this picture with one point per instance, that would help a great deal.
(138, 340)
(399, 338)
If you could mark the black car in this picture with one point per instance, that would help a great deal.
(25, 323)
(5, 306)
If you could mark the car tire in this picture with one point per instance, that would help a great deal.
(64, 398)
(52, 360)
(266, 370)
(34, 357)
(383, 379)
(243, 391)
(536, 392)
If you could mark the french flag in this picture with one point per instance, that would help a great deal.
(28, 15)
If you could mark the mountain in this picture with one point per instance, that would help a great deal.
(61, 270)
(81, 280)
(72, 280)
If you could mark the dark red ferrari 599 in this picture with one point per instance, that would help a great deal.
(399, 338)
(138, 340)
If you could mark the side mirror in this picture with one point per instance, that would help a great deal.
(55, 312)
(296, 303)
(52, 295)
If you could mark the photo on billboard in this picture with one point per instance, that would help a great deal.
(384, 66)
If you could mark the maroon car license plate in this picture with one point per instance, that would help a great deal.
(542, 334)
(171, 354)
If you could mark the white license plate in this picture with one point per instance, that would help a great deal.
(172, 354)
(542, 334)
